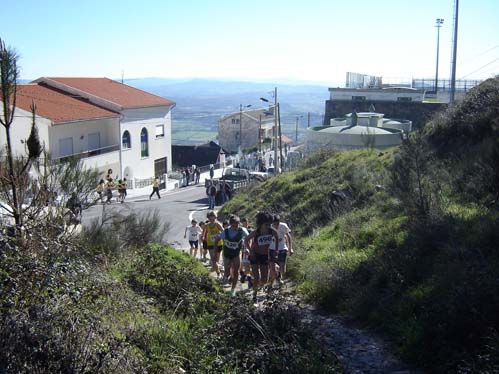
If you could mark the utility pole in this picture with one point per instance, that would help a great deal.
(454, 54)
(276, 131)
(260, 136)
(308, 119)
(241, 106)
(296, 129)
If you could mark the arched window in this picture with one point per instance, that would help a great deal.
(144, 146)
(126, 140)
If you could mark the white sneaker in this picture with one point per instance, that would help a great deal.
(233, 292)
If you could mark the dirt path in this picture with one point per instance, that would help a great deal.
(358, 350)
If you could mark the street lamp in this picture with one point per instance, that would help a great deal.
(438, 25)
(277, 137)
(241, 106)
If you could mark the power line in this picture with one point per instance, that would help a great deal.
(484, 66)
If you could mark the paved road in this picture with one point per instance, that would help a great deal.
(176, 207)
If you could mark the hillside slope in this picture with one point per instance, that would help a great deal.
(405, 240)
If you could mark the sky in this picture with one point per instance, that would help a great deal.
(254, 40)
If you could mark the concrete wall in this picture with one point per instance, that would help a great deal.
(228, 132)
(134, 120)
(418, 113)
(20, 130)
(316, 140)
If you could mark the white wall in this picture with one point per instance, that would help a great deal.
(79, 131)
(372, 94)
(20, 131)
(133, 121)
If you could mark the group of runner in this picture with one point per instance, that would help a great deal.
(257, 256)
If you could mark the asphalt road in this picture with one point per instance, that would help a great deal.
(177, 207)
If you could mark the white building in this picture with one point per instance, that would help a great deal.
(376, 94)
(367, 130)
(108, 124)
(144, 130)
(66, 126)
(247, 129)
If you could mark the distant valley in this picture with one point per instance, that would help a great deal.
(201, 102)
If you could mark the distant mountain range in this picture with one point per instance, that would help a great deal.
(201, 102)
(228, 95)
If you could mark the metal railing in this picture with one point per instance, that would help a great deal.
(90, 153)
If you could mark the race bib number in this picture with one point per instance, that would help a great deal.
(214, 238)
(265, 239)
(231, 245)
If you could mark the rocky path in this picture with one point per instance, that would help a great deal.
(358, 350)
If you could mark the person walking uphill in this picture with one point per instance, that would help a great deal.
(211, 230)
(232, 238)
(259, 250)
(155, 188)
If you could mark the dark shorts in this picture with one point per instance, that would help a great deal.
(194, 243)
(278, 256)
(211, 248)
(259, 259)
(230, 253)
(205, 244)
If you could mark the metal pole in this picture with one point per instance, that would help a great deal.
(276, 132)
(454, 55)
(440, 21)
(240, 126)
(260, 135)
(296, 135)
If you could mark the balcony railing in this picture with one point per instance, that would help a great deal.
(90, 153)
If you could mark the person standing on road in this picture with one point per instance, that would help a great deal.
(212, 229)
(100, 191)
(194, 233)
(211, 191)
(279, 250)
(259, 251)
(212, 171)
(232, 238)
(109, 190)
(155, 188)
(197, 174)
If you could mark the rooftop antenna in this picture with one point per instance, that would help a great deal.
(454, 55)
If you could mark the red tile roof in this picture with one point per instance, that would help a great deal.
(118, 93)
(58, 107)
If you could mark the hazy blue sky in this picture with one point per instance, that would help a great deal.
(314, 40)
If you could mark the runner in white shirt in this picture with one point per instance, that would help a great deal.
(194, 234)
(279, 256)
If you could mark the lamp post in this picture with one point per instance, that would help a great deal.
(241, 106)
(438, 25)
(277, 131)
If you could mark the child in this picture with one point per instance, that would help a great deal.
(194, 233)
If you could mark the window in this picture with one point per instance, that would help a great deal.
(126, 140)
(358, 98)
(404, 98)
(65, 147)
(235, 121)
(144, 146)
(160, 131)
